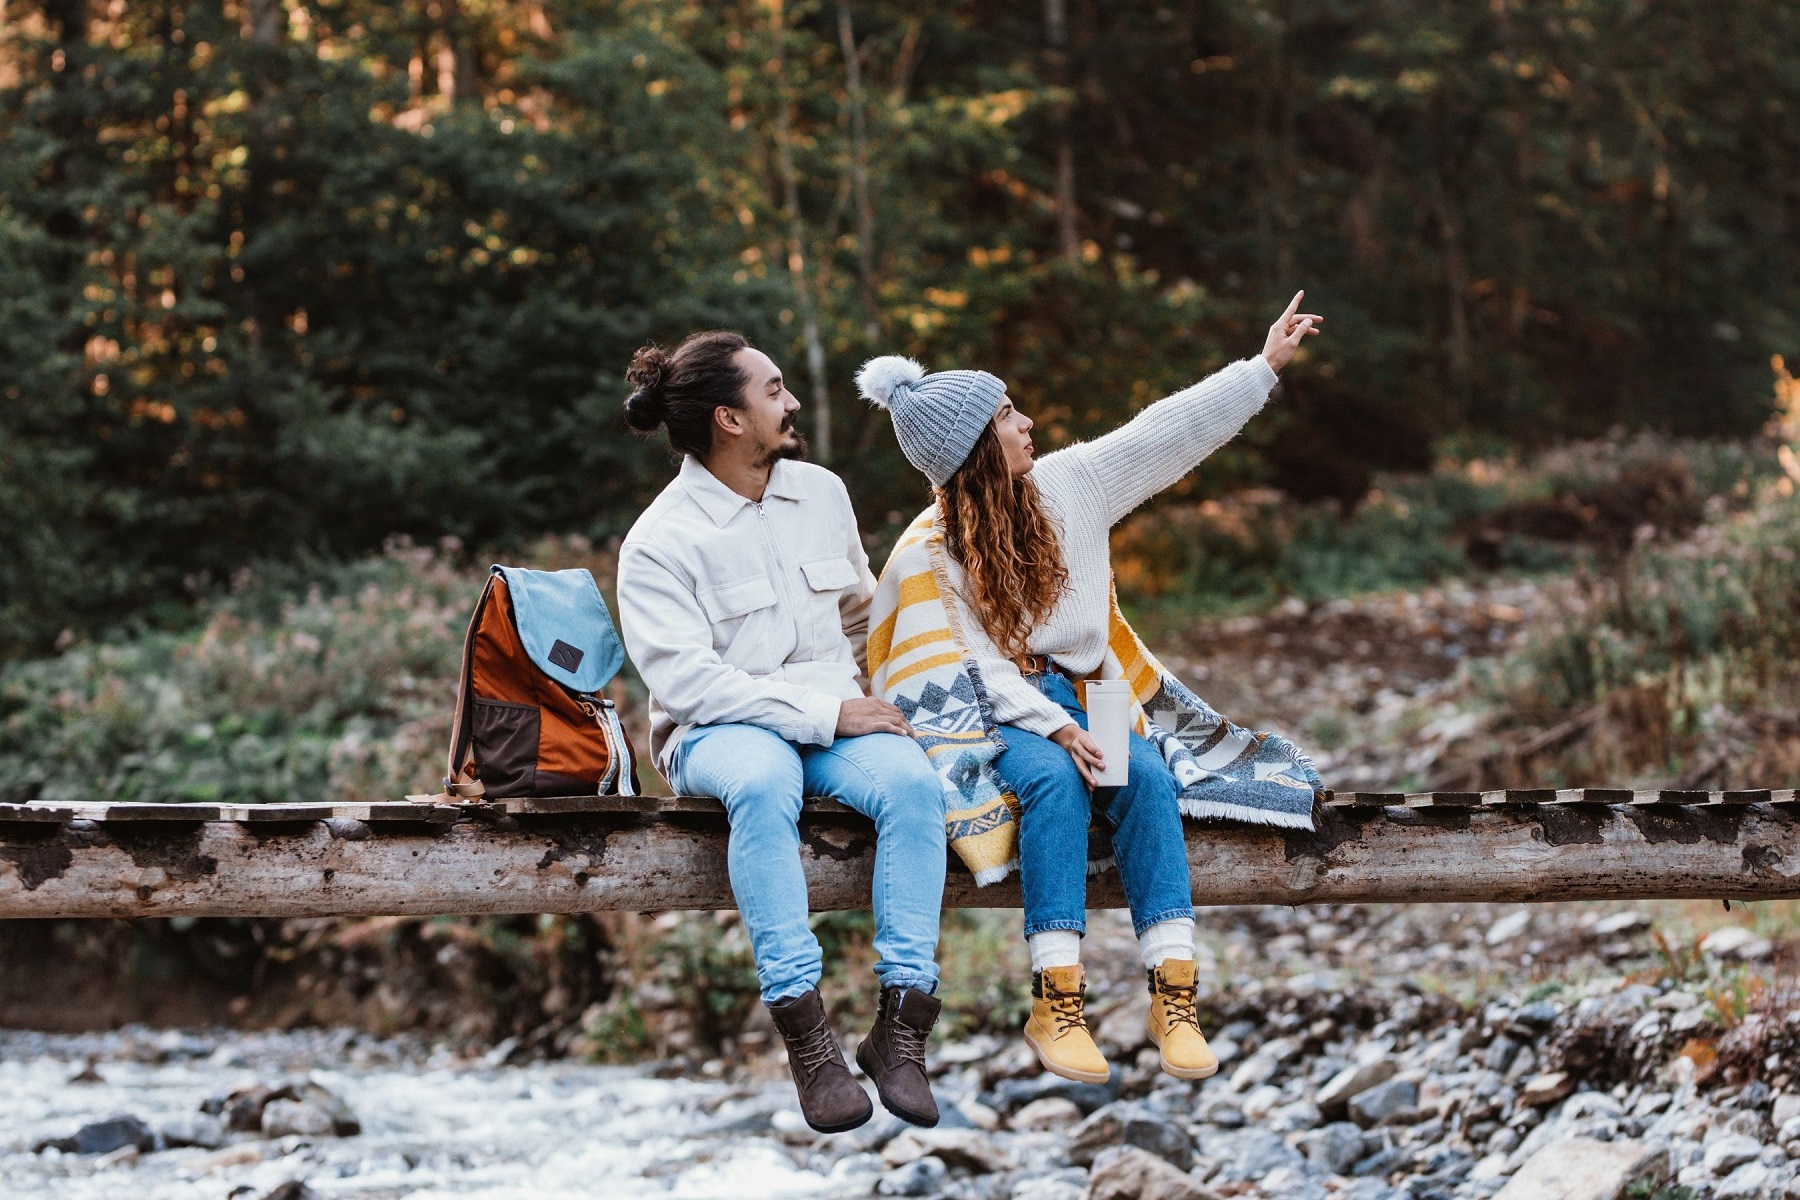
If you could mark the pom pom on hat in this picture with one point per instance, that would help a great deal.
(937, 418)
(879, 377)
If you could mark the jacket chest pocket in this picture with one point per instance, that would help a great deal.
(744, 616)
(826, 578)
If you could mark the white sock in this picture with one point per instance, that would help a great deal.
(1173, 938)
(1056, 948)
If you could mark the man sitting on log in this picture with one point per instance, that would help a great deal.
(744, 595)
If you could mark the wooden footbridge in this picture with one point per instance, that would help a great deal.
(648, 853)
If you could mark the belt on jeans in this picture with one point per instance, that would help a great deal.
(1039, 664)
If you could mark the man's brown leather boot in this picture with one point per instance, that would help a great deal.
(893, 1054)
(830, 1098)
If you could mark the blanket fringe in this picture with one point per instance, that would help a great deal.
(989, 875)
(1214, 809)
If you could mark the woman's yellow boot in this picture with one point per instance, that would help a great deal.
(1058, 1029)
(1175, 1023)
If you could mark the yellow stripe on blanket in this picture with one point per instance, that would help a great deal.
(920, 667)
(881, 639)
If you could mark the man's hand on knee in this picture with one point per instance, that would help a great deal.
(869, 715)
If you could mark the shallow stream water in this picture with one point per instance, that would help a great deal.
(432, 1125)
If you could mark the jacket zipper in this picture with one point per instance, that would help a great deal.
(778, 569)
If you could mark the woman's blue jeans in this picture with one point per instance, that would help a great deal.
(1055, 808)
(761, 779)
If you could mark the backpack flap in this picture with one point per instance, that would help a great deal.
(565, 626)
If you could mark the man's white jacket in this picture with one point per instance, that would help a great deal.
(742, 612)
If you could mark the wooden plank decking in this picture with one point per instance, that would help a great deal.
(593, 853)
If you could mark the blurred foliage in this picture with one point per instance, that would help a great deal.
(1579, 504)
(287, 277)
(1708, 624)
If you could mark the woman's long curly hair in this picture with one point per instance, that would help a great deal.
(1009, 547)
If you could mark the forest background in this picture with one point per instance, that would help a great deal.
(284, 278)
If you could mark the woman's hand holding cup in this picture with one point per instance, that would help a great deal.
(1083, 749)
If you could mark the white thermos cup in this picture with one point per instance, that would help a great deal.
(1109, 723)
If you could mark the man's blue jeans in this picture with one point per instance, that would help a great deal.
(1055, 807)
(761, 779)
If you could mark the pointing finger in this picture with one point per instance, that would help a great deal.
(1293, 305)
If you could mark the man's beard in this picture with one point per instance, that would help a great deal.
(793, 446)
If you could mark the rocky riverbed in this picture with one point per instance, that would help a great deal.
(1370, 1054)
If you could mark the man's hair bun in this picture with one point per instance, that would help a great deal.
(685, 387)
(646, 407)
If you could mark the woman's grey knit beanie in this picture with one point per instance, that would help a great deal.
(937, 418)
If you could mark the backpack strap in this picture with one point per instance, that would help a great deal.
(460, 784)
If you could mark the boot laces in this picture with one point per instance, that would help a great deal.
(1180, 1003)
(1066, 1007)
(908, 1043)
(815, 1049)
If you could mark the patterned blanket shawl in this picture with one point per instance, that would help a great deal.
(919, 662)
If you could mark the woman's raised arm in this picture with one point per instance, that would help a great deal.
(1156, 448)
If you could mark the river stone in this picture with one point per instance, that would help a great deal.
(1017, 1093)
(1729, 1153)
(1508, 927)
(1734, 941)
(1751, 1181)
(1370, 1189)
(1383, 1162)
(1500, 1053)
(1295, 1117)
(957, 1147)
(1584, 1169)
(1592, 1104)
(1334, 1148)
(287, 1118)
(1064, 1185)
(1052, 1112)
(343, 1120)
(1126, 1028)
(1618, 923)
(104, 1137)
(1538, 1016)
(860, 1166)
(1375, 1105)
(1221, 1112)
(193, 1129)
(1131, 1173)
(1261, 1101)
(1129, 1124)
(1290, 1184)
(920, 1177)
(1785, 1109)
(242, 1107)
(1541, 1090)
(1260, 1067)
(1351, 1080)
(1248, 1154)
(293, 1189)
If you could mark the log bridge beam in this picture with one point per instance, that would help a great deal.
(644, 854)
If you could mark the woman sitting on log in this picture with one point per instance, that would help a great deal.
(995, 605)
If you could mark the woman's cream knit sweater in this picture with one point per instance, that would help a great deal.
(1088, 488)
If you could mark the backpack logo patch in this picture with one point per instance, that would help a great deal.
(565, 656)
